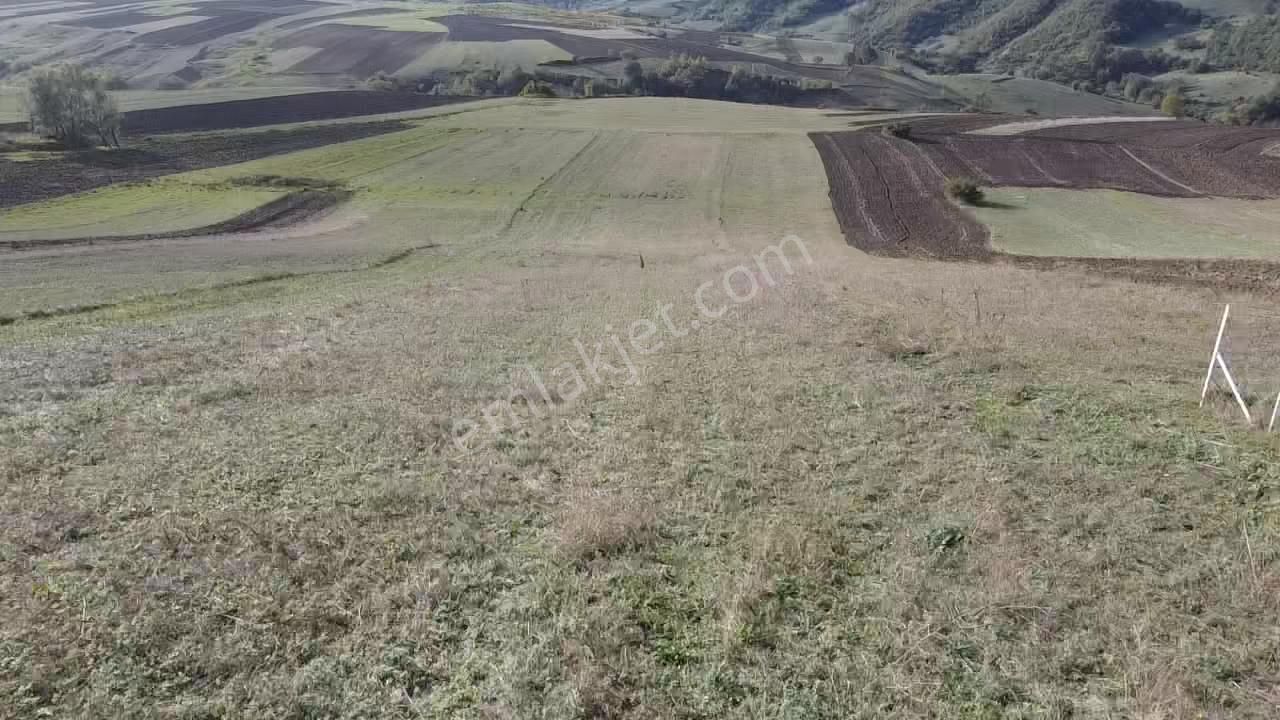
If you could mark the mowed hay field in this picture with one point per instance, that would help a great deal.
(872, 488)
(1106, 223)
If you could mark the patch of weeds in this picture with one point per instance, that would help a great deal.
(223, 394)
(402, 494)
(602, 524)
(284, 183)
(946, 537)
(993, 417)
(667, 618)
(969, 695)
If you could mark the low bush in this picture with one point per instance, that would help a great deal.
(965, 190)
(534, 88)
(901, 131)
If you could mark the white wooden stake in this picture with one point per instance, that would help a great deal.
(1231, 381)
(1274, 408)
(1213, 358)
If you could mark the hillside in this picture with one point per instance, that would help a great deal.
(641, 407)
(1030, 35)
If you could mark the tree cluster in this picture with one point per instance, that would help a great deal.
(691, 76)
(73, 106)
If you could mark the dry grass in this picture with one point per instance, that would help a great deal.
(599, 524)
(890, 489)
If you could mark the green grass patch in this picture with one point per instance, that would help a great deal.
(138, 208)
(343, 162)
(1108, 223)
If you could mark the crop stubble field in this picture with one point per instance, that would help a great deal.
(889, 488)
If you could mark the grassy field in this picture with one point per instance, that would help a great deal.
(511, 53)
(1106, 223)
(152, 207)
(1018, 95)
(405, 22)
(1225, 88)
(871, 489)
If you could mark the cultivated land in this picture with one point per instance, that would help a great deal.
(1106, 223)
(229, 50)
(888, 192)
(877, 487)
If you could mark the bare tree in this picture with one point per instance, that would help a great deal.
(71, 105)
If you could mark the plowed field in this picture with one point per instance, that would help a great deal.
(888, 196)
(358, 51)
(277, 110)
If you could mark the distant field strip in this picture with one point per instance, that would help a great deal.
(1017, 128)
(152, 207)
(1106, 223)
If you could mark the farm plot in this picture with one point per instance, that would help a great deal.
(111, 21)
(278, 110)
(357, 51)
(1106, 223)
(592, 188)
(68, 173)
(676, 115)
(1026, 126)
(205, 30)
(1034, 162)
(888, 196)
(155, 207)
(1017, 95)
(1209, 159)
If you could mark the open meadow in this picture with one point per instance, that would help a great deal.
(597, 409)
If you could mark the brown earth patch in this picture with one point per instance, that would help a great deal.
(204, 30)
(888, 197)
(110, 21)
(278, 110)
(357, 51)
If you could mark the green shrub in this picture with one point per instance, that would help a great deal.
(965, 190)
(901, 131)
(533, 88)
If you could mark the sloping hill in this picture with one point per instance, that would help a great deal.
(1042, 37)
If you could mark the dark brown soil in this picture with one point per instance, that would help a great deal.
(24, 182)
(357, 51)
(287, 210)
(204, 31)
(277, 110)
(889, 199)
(114, 20)
(1210, 159)
(1035, 162)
